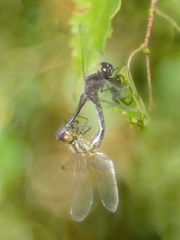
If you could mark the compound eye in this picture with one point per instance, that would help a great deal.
(67, 137)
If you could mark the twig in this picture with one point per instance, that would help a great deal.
(146, 42)
(148, 70)
(150, 22)
(144, 47)
(168, 18)
(137, 50)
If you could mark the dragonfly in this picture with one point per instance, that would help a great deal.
(93, 84)
(89, 166)
(123, 95)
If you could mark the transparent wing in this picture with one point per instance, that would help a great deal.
(120, 91)
(103, 169)
(125, 96)
(82, 193)
(108, 101)
(85, 49)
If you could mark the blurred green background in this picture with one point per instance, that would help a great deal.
(39, 87)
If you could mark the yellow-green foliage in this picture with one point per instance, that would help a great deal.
(39, 60)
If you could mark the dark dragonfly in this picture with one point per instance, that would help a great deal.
(90, 167)
(94, 83)
(122, 92)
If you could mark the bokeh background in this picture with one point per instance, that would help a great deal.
(39, 88)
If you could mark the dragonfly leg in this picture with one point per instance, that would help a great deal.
(80, 128)
(105, 89)
(84, 131)
(61, 130)
(83, 126)
(84, 118)
(75, 126)
(119, 105)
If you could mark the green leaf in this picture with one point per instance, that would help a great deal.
(96, 16)
(134, 108)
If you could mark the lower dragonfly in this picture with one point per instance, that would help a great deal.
(89, 165)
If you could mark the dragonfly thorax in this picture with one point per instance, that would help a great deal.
(94, 83)
(80, 146)
(106, 70)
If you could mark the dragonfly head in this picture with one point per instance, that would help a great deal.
(67, 137)
(106, 69)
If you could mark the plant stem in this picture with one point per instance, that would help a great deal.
(147, 57)
(148, 70)
(137, 50)
(144, 46)
(150, 22)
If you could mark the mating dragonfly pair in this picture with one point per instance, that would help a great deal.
(90, 164)
(88, 161)
(114, 80)
(94, 83)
